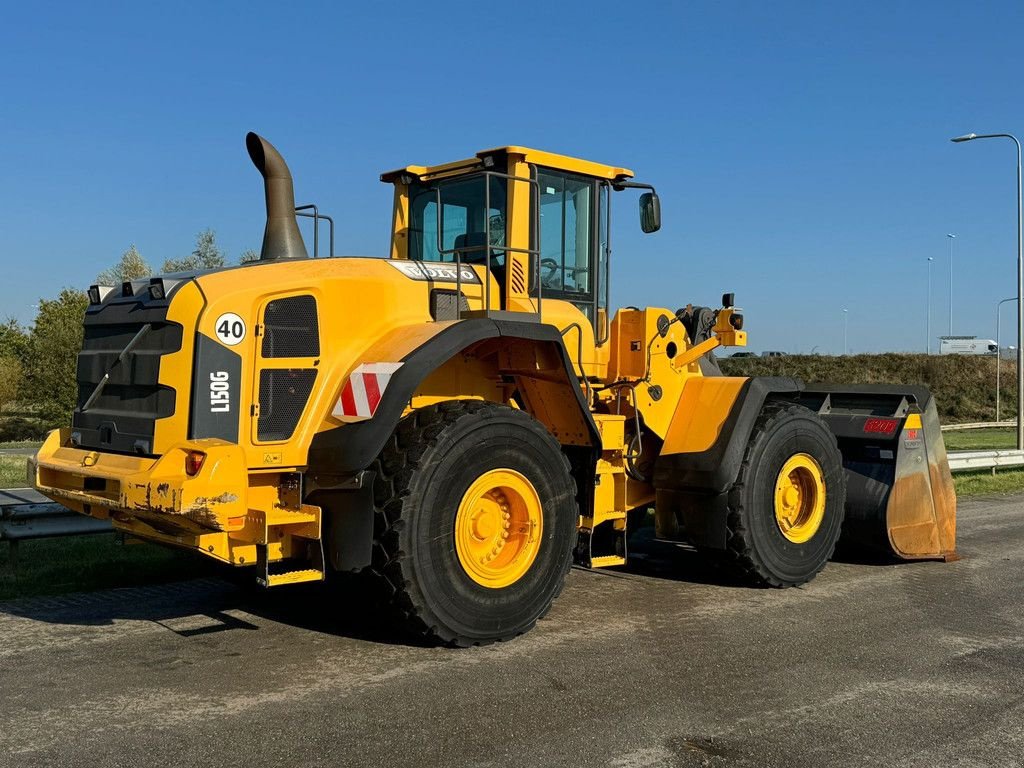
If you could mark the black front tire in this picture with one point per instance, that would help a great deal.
(756, 546)
(434, 456)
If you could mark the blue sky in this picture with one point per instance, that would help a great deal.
(800, 149)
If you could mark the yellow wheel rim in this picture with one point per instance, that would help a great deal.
(800, 498)
(498, 528)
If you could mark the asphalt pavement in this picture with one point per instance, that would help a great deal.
(910, 664)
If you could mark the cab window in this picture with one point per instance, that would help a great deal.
(463, 220)
(565, 233)
(566, 268)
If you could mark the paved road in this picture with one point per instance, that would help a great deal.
(917, 664)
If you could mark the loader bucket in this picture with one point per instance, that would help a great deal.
(899, 496)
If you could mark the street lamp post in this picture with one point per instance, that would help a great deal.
(951, 237)
(846, 327)
(928, 326)
(999, 351)
(1020, 281)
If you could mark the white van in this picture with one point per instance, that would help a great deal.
(966, 345)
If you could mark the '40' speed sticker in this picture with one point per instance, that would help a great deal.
(230, 329)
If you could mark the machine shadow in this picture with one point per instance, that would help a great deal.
(659, 559)
(203, 607)
(673, 561)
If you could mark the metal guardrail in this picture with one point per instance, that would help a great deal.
(978, 425)
(27, 514)
(965, 461)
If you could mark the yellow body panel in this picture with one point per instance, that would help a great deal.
(176, 368)
(703, 409)
(653, 360)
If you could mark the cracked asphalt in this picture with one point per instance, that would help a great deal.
(910, 664)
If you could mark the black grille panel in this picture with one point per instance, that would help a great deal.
(443, 306)
(122, 417)
(283, 396)
(291, 328)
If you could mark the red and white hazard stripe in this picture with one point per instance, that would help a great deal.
(362, 392)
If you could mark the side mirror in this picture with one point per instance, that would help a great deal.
(650, 212)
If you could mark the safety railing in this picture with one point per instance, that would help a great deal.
(488, 247)
(316, 216)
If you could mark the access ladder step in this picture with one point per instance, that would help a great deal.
(292, 577)
(606, 561)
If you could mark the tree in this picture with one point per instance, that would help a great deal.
(248, 255)
(13, 340)
(206, 255)
(10, 378)
(51, 364)
(131, 267)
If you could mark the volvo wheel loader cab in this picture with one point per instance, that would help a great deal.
(457, 423)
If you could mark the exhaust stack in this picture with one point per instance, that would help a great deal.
(281, 238)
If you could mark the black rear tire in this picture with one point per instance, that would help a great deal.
(434, 456)
(756, 546)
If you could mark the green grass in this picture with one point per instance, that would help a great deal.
(88, 563)
(21, 444)
(984, 483)
(12, 471)
(979, 439)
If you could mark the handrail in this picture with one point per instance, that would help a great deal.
(316, 216)
(487, 247)
(579, 359)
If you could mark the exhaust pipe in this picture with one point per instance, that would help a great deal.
(281, 238)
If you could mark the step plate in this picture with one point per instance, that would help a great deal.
(292, 577)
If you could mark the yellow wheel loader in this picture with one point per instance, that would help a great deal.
(462, 420)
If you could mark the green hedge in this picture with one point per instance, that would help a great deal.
(964, 386)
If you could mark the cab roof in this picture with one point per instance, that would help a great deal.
(532, 156)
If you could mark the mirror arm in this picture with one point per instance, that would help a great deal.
(618, 186)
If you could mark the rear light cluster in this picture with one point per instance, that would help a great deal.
(194, 462)
(876, 426)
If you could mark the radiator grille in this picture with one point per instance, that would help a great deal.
(283, 396)
(291, 328)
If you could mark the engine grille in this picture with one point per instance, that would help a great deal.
(291, 328)
(283, 396)
(443, 305)
(122, 416)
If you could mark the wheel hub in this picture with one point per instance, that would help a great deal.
(800, 498)
(498, 528)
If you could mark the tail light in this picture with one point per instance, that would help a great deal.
(194, 462)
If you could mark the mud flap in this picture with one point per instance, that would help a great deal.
(900, 497)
